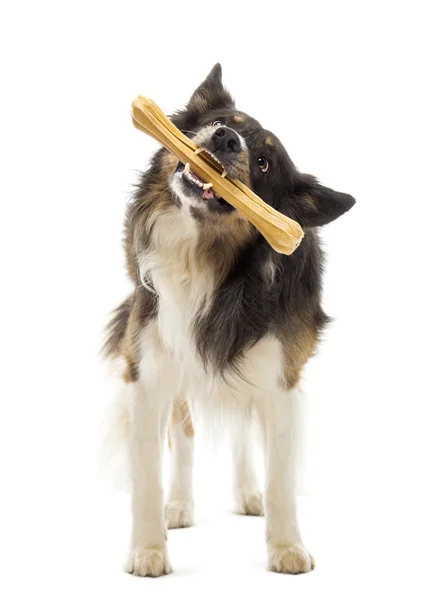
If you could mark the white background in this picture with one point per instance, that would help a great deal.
(351, 90)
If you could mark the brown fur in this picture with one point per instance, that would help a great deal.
(214, 289)
(299, 342)
(123, 330)
(181, 414)
(139, 214)
(310, 203)
(251, 292)
(116, 329)
(216, 251)
(143, 309)
(218, 246)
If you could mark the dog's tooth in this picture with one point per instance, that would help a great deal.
(214, 157)
(224, 174)
(187, 168)
(198, 150)
(207, 186)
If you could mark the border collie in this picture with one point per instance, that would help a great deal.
(218, 323)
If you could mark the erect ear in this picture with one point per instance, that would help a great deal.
(318, 205)
(211, 94)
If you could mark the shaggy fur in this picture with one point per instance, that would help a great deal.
(217, 310)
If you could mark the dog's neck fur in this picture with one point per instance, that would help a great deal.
(180, 274)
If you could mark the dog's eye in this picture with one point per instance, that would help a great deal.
(263, 164)
(218, 123)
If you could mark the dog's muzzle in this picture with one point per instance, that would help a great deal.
(229, 150)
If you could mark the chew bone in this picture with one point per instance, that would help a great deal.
(281, 232)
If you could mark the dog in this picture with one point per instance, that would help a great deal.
(218, 322)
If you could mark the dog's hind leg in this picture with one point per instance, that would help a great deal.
(246, 494)
(179, 508)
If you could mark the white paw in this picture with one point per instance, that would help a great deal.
(179, 513)
(290, 559)
(248, 502)
(148, 562)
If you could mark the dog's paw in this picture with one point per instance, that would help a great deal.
(290, 559)
(179, 513)
(248, 503)
(148, 562)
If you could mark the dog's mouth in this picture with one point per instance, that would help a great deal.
(202, 189)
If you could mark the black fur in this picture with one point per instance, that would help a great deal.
(249, 305)
(246, 308)
(295, 194)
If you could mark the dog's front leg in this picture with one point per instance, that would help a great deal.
(286, 553)
(150, 406)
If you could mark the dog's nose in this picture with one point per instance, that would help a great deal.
(226, 140)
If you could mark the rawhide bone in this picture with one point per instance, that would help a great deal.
(281, 232)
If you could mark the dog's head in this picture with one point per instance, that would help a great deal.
(251, 154)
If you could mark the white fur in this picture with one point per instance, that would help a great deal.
(114, 458)
(180, 507)
(285, 548)
(246, 494)
(150, 401)
(178, 188)
(203, 135)
(169, 367)
(269, 270)
(182, 289)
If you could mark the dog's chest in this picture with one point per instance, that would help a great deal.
(180, 300)
(178, 309)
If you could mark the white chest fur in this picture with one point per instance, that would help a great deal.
(183, 286)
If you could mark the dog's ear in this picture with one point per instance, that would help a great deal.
(211, 94)
(318, 205)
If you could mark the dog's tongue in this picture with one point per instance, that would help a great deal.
(208, 194)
